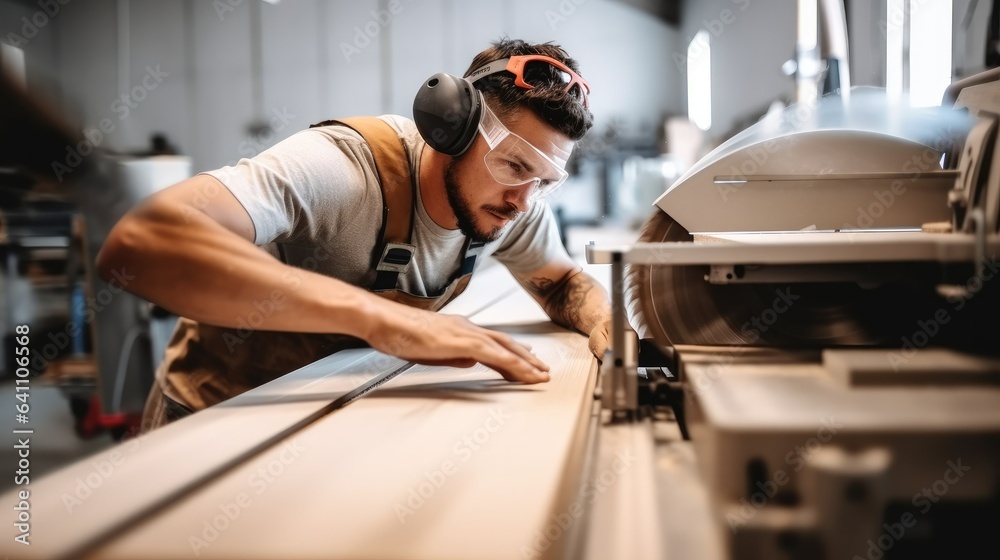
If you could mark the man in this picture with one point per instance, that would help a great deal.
(313, 203)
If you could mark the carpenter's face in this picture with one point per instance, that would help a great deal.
(485, 206)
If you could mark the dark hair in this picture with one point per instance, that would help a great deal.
(564, 111)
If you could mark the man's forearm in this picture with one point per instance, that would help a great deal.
(577, 301)
(196, 268)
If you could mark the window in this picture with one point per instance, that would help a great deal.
(699, 85)
(918, 37)
(930, 51)
(807, 45)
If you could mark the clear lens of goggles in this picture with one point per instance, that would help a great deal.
(513, 161)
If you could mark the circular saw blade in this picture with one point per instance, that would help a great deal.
(676, 305)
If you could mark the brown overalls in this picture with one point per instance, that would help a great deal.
(207, 365)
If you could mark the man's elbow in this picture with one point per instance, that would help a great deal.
(120, 248)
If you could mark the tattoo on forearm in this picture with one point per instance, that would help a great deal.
(567, 303)
(540, 286)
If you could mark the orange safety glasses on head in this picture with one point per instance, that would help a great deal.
(533, 70)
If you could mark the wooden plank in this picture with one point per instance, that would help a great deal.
(438, 463)
(80, 506)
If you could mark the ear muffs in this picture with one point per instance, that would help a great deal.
(447, 111)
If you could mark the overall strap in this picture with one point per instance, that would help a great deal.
(393, 251)
(470, 253)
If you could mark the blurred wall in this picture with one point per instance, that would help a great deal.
(228, 78)
(750, 40)
(232, 77)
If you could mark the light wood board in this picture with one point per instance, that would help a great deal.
(401, 426)
(438, 463)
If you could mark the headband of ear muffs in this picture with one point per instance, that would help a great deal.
(447, 111)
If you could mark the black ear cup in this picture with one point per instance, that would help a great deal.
(447, 111)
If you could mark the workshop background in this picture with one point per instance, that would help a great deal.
(165, 89)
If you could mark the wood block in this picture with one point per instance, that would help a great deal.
(896, 367)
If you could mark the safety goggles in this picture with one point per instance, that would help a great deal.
(535, 70)
(514, 161)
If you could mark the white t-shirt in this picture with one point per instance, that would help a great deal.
(315, 202)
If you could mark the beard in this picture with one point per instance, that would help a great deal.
(464, 212)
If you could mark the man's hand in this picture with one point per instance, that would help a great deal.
(600, 339)
(573, 299)
(432, 338)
